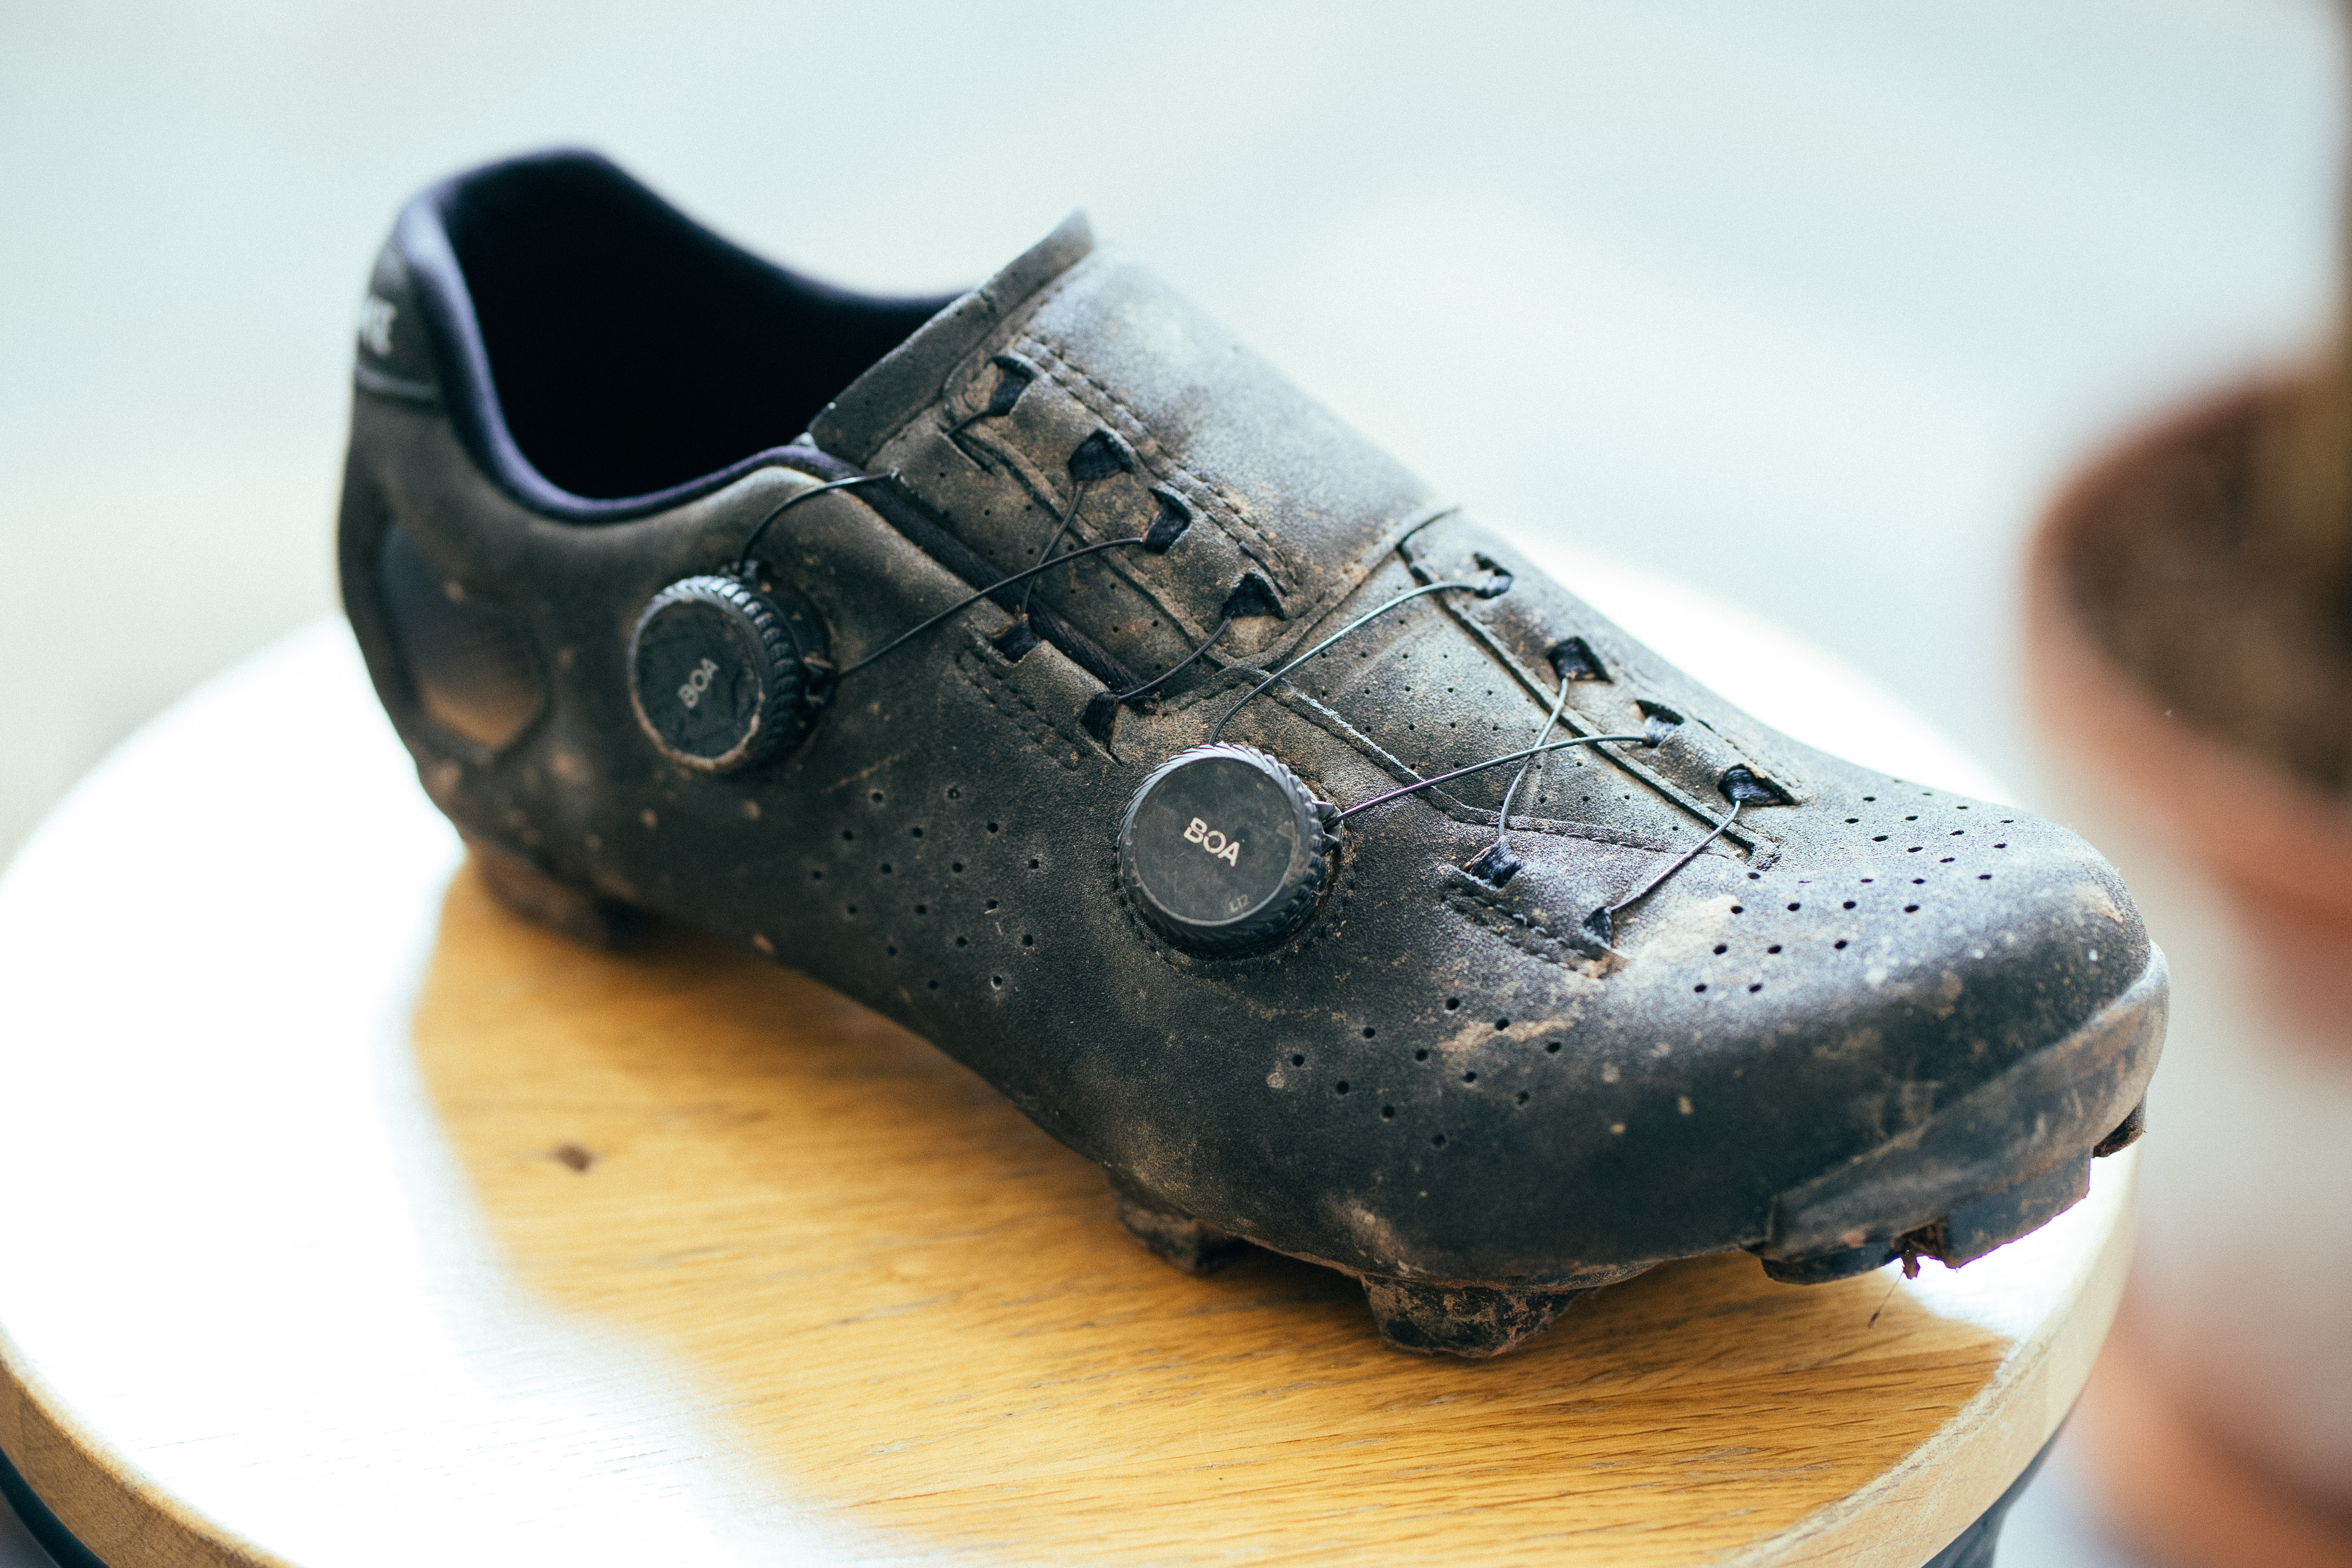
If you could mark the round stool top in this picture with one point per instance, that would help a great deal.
(355, 1221)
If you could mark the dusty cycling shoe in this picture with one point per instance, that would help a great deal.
(1182, 841)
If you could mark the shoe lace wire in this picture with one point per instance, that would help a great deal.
(1494, 863)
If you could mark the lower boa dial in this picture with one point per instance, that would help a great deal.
(1224, 850)
(723, 674)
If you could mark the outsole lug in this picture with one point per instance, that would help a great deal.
(1827, 1267)
(539, 897)
(2125, 1134)
(1176, 1238)
(1976, 1228)
(1460, 1319)
(1962, 1236)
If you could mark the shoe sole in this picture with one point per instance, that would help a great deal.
(1995, 1165)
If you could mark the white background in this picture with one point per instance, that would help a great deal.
(1809, 303)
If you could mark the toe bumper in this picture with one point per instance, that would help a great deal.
(1994, 1164)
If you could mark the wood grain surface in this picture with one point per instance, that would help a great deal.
(361, 1222)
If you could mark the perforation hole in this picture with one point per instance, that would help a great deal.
(1421, 1055)
(1298, 1058)
(1340, 1087)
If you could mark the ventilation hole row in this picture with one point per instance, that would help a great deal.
(1849, 903)
(954, 793)
(996, 981)
(891, 948)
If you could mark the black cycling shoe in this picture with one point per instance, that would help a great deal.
(1171, 839)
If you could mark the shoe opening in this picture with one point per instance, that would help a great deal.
(632, 350)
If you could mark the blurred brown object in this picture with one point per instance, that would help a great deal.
(2189, 639)
(2177, 1497)
(2166, 643)
(2197, 706)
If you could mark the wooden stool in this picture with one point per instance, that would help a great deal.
(354, 1220)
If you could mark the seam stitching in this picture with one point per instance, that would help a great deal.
(1017, 706)
(1219, 504)
(1533, 940)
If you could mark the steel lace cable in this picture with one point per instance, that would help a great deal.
(1503, 817)
(1012, 379)
(1045, 556)
(743, 556)
(1601, 924)
(1207, 642)
(1484, 590)
(966, 602)
(1481, 768)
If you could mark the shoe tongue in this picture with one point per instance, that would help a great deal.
(1075, 376)
(907, 380)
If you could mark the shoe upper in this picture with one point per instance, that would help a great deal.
(1864, 1004)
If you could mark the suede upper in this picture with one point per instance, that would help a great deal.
(1868, 1004)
